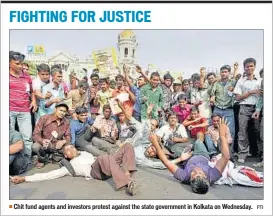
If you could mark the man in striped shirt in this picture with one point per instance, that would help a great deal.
(21, 99)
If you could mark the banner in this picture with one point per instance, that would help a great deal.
(39, 49)
(106, 61)
(30, 49)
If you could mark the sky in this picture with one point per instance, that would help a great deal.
(175, 50)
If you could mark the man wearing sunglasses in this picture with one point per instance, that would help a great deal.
(21, 99)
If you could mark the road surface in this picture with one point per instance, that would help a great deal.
(152, 183)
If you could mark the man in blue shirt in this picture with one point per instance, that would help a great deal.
(195, 169)
(79, 129)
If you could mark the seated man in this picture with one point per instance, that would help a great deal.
(84, 164)
(16, 144)
(78, 98)
(51, 133)
(173, 135)
(182, 109)
(196, 123)
(196, 170)
(125, 130)
(80, 128)
(17, 162)
(105, 130)
(212, 137)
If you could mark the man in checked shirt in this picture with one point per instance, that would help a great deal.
(105, 130)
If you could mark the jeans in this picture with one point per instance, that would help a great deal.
(11, 158)
(212, 149)
(25, 128)
(228, 114)
(200, 149)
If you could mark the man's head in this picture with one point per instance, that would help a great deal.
(25, 67)
(106, 111)
(261, 73)
(199, 181)
(249, 66)
(119, 80)
(155, 79)
(150, 152)
(15, 61)
(83, 86)
(215, 118)
(57, 75)
(182, 99)
(81, 113)
(70, 152)
(141, 81)
(154, 125)
(121, 118)
(194, 113)
(172, 119)
(185, 85)
(168, 79)
(225, 71)
(43, 72)
(112, 84)
(94, 79)
(177, 85)
(196, 81)
(190, 83)
(211, 77)
(104, 84)
(61, 110)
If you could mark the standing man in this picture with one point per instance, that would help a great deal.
(259, 115)
(38, 83)
(167, 92)
(78, 98)
(151, 93)
(21, 99)
(222, 98)
(247, 91)
(56, 90)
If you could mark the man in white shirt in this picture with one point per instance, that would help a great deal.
(85, 165)
(247, 91)
(174, 135)
(38, 84)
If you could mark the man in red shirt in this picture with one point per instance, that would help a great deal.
(21, 99)
(195, 123)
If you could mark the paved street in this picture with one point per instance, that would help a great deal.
(153, 184)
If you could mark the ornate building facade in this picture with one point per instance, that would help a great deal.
(126, 52)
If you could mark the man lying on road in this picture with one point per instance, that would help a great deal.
(102, 168)
(195, 169)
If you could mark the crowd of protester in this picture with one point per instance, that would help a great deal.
(98, 128)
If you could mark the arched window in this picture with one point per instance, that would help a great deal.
(126, 52)
(133, 54)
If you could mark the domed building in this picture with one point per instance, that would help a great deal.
(127, 46)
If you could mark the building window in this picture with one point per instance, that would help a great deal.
(126, 52)
(133, 54)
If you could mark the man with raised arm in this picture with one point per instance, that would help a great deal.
(195, 169)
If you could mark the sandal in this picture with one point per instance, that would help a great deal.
(132, 188)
